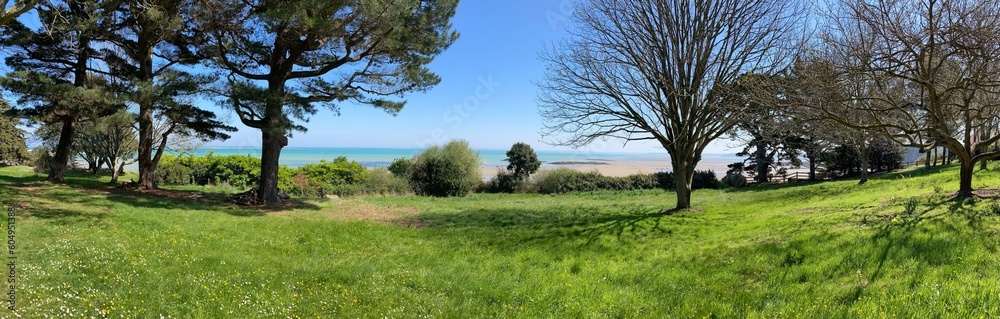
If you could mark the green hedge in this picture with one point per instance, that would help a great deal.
(235, 170)
(340, 177)
(563, 180)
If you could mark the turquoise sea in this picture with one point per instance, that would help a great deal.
(381, 157)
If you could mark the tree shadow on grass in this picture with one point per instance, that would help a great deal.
(20, 181)
(65, 216)
(190, 200)
(894, 175)
(933, 240)
(566, 227)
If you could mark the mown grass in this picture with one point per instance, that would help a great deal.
(897, 246)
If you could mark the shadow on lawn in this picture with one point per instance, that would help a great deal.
(931, 240)
(97, 192)
(65, 216)
(20, 181)
(577, 227)
(895, 175)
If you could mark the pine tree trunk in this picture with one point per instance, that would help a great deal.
(267, 188)
(147, 164)
(63, 150)
(762, 163)
(812, 169)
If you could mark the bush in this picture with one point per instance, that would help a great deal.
(377, 182)
(452, 170)
(523, 160)
(705, 180)
(700, 180)
(240, 171)
(503, 182)
(41, 159)
(171, 172)
(236, 170)
(734, 180)
(564, 180)
(319, 179)
(400, 167)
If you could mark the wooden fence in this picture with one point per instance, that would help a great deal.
(788, 177)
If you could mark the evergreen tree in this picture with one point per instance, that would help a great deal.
(13, 150)
(281, 59)
(53, 71)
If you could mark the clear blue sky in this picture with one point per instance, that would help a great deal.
(489, 70)
(486, 94)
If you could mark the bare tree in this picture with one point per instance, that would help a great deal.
(652, 69)
(925, 72)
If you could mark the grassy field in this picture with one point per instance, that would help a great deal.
(897, 246)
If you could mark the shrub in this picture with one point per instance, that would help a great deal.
(562, 180)
(452, 170)
(666, 180)
(319, 179)
(705, 180)
(734, 180)
(522, 160)
(236, 170)
(40, 159)
(400, 167)
(171, 172)
(700, 180)
(503, 182)
(377, 182)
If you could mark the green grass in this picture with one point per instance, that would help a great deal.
(894, 247)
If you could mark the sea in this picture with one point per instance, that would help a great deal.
(489, 158)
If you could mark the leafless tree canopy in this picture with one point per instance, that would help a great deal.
(654, 70)
(926, 72)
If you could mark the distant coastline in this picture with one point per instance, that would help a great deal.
(492, 160)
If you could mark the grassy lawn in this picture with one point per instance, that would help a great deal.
(897, 246)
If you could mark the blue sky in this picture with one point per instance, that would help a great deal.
(486, 94)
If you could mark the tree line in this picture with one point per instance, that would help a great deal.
(83, 63)
(790, 79)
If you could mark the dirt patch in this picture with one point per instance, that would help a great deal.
(389, 215)
(159, 193)
(987, 193)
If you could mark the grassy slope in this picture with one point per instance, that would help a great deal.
(832, 249)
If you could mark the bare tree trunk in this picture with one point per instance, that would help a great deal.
(927, 160)
(935, 161)
(92, 167)
(682, 184)
(116, 170)
(965, 179)
(63, 150)
(863, 153)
